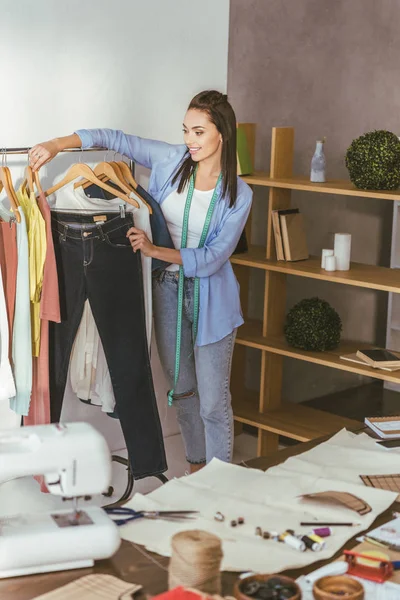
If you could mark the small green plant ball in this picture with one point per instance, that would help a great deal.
(373, 161)
(313, 324)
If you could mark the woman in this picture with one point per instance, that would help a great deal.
(202, 170)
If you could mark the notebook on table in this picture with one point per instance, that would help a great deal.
(387, 428)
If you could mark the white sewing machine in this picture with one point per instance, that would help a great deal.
(75, 461)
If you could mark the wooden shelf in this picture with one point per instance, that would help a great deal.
(335, 186)
(360, 275)
(294, 421)
(250, 335)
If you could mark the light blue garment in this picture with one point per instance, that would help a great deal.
(220, 311)
(202, 396)
(22, 341)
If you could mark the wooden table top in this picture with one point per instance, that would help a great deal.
(133, 564)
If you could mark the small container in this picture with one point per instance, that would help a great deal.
(336, 586)
(325, 252)
(330, 263)
(263, 580)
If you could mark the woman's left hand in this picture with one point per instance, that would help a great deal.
(140, 241)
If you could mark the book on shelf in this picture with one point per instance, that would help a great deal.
(379, 357)
(276, 226)
(293, 236)
(387, 428)
(352, 357)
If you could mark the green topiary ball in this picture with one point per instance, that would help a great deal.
(373, 161)
(312, 324)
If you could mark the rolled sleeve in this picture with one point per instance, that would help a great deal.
(85, 137)
(189, 261)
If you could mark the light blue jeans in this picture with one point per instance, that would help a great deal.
(202, 397)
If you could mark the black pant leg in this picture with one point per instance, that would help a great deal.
(115, 291)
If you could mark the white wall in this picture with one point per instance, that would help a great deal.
(125, 64)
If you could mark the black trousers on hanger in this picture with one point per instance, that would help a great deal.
(96, 261)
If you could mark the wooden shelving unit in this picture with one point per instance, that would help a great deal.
(393, 319)
(266, 410)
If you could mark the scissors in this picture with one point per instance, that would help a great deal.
(132, 515)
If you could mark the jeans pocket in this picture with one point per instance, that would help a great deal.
(117, 238)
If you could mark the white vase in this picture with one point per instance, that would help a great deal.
(318, 164)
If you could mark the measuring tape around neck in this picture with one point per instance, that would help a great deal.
(181, 280)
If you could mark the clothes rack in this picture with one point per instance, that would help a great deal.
(115, 458)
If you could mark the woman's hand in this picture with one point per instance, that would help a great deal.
(140, 241)
(43, 153)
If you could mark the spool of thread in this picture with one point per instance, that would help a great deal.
(311, 544)
(317, 539)
(325, 252)
(342, 249)
(330, 263)
(323, 531)
(195, 561)
(292, 541)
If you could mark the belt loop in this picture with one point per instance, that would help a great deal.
(101, 233)
(64, 234)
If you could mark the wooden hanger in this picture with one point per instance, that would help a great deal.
(37, 182)
(28, 183)
(82, 170)
(112, 171)
(127, 174)
(107, 170)
(6, 183)
(120, 171)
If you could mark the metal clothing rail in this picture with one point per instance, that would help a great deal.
(26, 150)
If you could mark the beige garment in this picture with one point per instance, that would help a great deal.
(93, 587)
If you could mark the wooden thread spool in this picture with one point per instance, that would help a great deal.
(195, 561)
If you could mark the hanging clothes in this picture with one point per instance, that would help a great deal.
(36, 228)
(90, 379)
(95, 262)
(22, 337)
(9, 264)
(7, 385)
(39, 411)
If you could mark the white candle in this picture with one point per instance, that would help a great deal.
(330, 263)
(342, 248)
(325, 252)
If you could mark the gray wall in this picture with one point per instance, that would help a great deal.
(327, 68)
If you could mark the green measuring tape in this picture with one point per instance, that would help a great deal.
(181, 281)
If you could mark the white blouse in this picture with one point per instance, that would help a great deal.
(173, 209)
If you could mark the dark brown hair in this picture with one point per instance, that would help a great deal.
(221, 113)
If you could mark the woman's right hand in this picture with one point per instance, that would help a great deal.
(43, 153)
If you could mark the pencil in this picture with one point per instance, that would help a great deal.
(323, 524)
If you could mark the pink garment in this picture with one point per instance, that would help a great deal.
(39, 410)
(9, 263)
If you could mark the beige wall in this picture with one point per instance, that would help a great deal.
(326, 67)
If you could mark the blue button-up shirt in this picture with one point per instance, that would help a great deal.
(219, 312)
